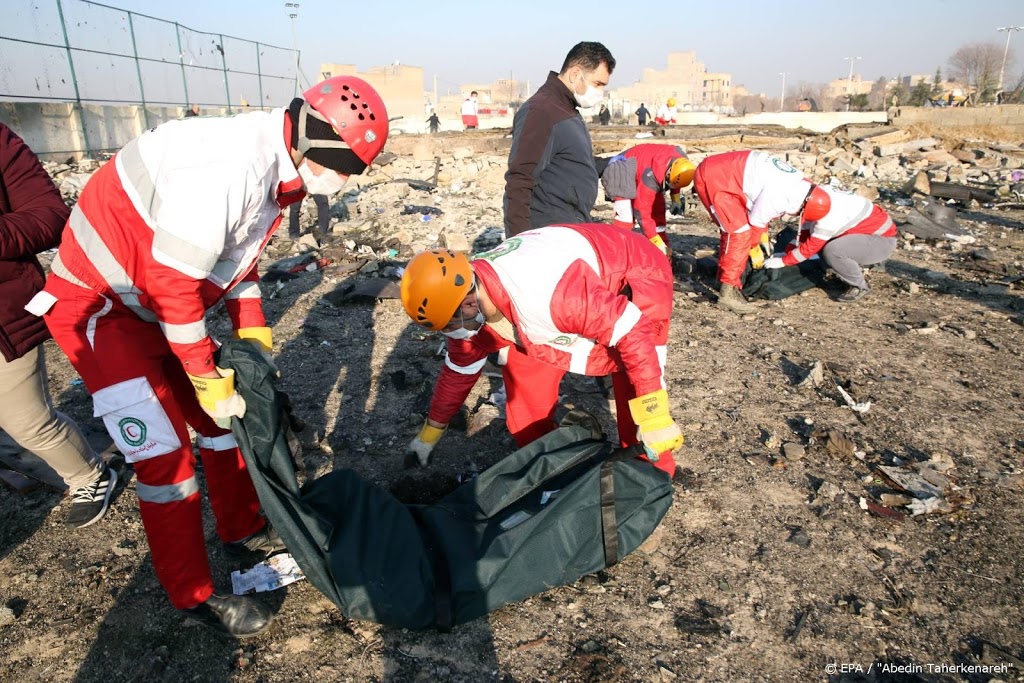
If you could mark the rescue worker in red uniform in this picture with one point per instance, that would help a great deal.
(174, 223)
(743, 192)
(847, 231)
(637, 179)
(582, 298)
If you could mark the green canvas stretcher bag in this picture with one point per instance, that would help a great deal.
(565, 506)
(780, 283)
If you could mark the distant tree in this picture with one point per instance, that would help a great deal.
(876, 97)
(920, 93)
(860, 102)
(976, 65)
(936, 84)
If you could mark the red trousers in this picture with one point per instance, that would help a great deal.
(142, 393)
(531, 388)
(737, 237)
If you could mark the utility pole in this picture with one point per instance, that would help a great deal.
(849, 82)
(1009, 32)
(293, 12)
(782, 100)
(436, 108)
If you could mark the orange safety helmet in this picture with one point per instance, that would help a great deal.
(433, 286)
(680, 173)
(817, 204)
(356, 112)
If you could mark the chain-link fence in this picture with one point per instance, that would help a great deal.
(86, 52)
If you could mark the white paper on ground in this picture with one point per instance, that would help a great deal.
(271, 574)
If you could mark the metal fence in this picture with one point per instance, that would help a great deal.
(87, 52)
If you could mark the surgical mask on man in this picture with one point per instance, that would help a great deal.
(463, 333)
(327, 183)
(591, 97)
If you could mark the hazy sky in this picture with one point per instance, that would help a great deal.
(461, 41)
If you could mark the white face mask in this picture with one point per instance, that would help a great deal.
(463, 333)
(591, 98)
(327, 183)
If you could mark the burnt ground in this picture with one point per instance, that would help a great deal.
(770, 568)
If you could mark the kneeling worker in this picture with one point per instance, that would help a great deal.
(848, 231)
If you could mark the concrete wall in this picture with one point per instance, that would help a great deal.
(54, 130)
(1009, 116)
(818, 122)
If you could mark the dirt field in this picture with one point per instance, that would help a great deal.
(770, 567)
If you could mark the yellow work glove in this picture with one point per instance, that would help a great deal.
(218, 398)
(757, 254)
(263, 339)
(675, 205)
(419, 449)
(655, 427)
(660, 244)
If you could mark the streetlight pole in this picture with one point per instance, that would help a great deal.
(1009, 32)
(782, 100)
(849, 82)
(293, 12)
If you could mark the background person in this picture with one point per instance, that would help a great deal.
(32, 215)
(552, 175)
(637, 180)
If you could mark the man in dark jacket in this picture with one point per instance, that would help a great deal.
(642, 114)
(552, 174)
(32, 216)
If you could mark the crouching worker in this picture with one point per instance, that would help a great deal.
(848, 232)
(637, 180)
(583, 298)
(174, 223)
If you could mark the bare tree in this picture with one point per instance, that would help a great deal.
(977, 66)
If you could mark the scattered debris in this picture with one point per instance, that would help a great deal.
(853, 405)
(814, 377)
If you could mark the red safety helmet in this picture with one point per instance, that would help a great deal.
(817, 204)
(355, 110)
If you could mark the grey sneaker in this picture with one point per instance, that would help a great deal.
(90, 502)
(852, 294)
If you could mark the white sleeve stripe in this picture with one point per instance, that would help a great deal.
(186, 333)
(244, 290)
(466, 369)
(626, 322)
(223, 442)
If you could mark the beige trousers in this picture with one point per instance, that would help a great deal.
(28, 417)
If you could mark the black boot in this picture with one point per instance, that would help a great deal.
(240, 616)
(259, 545)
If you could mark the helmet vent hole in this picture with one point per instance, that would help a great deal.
(459, 280)
(344, 98)
(354, 107)
(361, 117)
(444, 270)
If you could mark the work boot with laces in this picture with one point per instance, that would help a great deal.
(257, 546)
(241, 616)
(731, 299)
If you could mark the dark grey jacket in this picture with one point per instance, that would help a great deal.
(552, 177)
